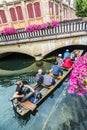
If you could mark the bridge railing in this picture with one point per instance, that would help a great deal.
(65, 27)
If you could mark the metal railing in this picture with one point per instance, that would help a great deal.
(65, 27)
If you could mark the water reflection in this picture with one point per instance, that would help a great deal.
(31, 69)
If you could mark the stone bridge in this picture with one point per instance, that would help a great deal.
(39, 44)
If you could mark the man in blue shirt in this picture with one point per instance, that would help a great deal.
(66, 53)
(57, 70)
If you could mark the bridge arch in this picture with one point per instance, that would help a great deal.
(62, 49)
(42, 48)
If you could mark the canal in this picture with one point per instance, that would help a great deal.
(61, 111)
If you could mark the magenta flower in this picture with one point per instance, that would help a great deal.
(37, 27)
(54, 23)
(78, 77)
(9, 30)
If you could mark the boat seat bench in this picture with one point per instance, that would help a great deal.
(29, 105)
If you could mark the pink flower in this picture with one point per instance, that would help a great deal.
(80, 93)
(71, 90)
(54, 23)
(37, 27)
(9, 30)
(78, 75)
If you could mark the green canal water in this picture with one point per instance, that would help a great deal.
(60, 111)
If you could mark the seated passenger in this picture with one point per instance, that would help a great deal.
(57, 70)
(39, 77)
(66, 53)
(59, 60)
(73, 56)
(23, 91)
(77, 54)
(48, 80)
(67, 63)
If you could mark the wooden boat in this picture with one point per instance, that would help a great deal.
(22, 108)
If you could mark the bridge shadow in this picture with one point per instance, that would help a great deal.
(30, 69)
(16, 61)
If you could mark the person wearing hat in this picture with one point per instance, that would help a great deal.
(39, 77)
(59, 60)
(23, 91)
(66, 53)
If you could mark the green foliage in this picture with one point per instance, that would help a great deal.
(81, 8)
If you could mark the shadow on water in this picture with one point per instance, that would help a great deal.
(31, 69)
(16, 61)
(21, 120)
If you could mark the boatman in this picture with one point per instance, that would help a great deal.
(23, 91)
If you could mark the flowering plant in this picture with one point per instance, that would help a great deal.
(37, 27)
(54, 23)
(33, 28)
(78, 77)
(9, 30)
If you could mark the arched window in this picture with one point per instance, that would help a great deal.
(51, 8)
(13, 14)
(3, 17)
(30, 11)
(37, 9)
(19, 13)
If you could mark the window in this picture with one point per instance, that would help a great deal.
(13, 14)
(37, 9)
(19, 13)
(56, 8)
(51, 8)
(30, 11)
(3, 17)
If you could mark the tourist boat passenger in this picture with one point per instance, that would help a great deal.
(39, 77)
(59, 60)
(66, 53)
(67, 63)
(48, 80)
(57, 70)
